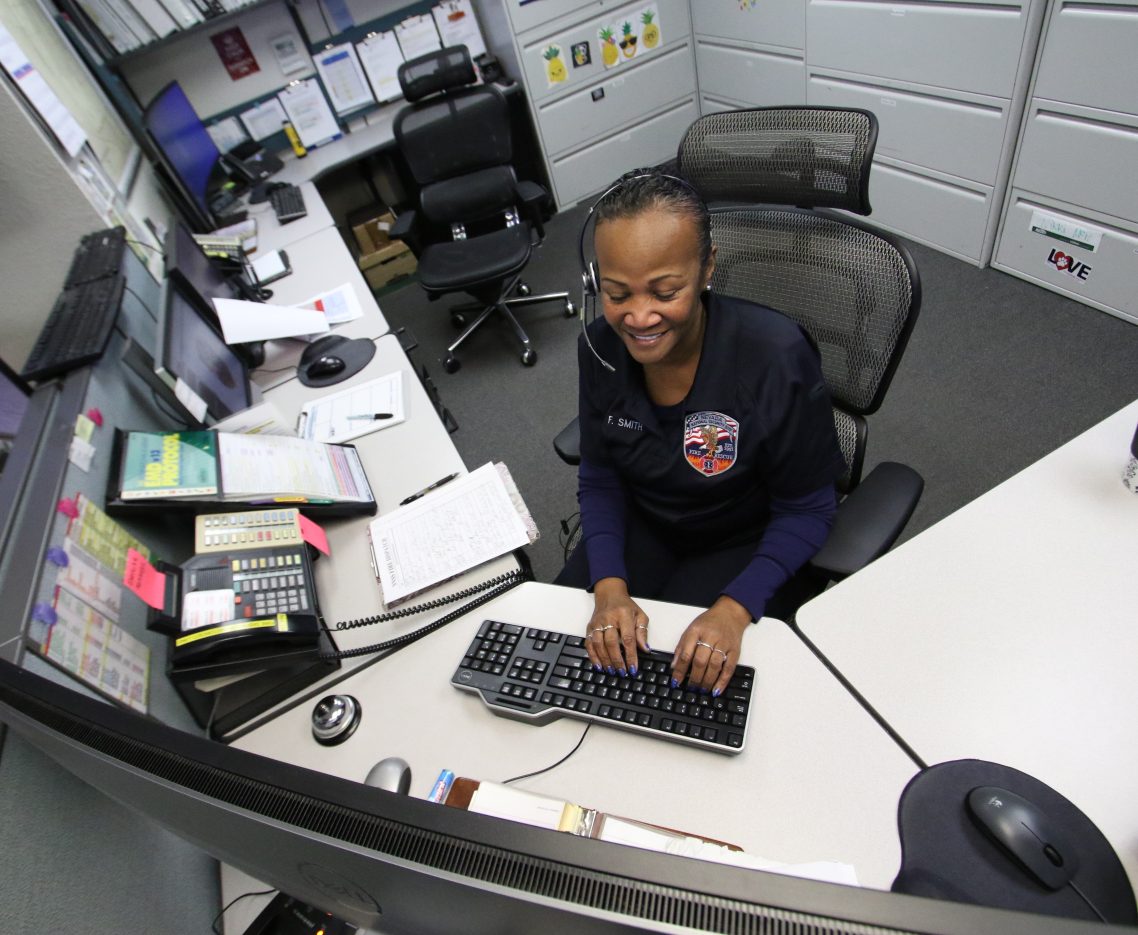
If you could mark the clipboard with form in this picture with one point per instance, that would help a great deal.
(355, 411)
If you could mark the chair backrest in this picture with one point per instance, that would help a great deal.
(450, 127)
(856, 291)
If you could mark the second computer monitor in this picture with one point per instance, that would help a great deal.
(186, 260)
(196, 362)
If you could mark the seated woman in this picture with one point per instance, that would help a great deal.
(708, 451)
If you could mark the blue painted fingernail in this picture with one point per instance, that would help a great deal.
(632, 671)
(715, 693)
(622, 672)
(675, 683)
(610, 670)
(596, 667)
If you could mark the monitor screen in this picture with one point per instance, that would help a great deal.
(192, 352)
(186, 150)
(186, 260)
(14, 394)
(405, 866)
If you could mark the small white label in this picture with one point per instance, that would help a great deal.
(191, 400)
(1070, 232)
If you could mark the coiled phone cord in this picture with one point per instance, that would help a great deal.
(484, 592)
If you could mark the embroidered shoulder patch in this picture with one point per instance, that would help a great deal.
(711, 441)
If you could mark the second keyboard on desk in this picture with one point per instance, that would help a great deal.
(287, 202)
(538, 675)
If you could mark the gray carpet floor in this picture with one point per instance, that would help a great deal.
(998, 373)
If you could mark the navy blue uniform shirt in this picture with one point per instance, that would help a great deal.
(756, 422)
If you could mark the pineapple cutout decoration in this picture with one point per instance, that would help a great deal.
(555, 71)
(650, 29)
(627, 40)
(610, 53)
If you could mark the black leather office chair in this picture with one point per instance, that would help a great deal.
(476, 225)
(772, 177)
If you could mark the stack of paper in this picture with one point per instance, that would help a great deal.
(460, 525)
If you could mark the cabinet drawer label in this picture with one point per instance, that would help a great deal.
(1069, 232)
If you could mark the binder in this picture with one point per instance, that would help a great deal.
(206, 472)
(156, 17)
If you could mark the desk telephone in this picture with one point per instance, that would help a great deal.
(248, 593)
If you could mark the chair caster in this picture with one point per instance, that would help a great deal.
(570, 309)
(451, 364)
(458, 319)
(529, 358)
(522, 289)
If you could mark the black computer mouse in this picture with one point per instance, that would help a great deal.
(327, 366)
(1023, 830)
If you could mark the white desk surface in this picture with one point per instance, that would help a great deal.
(399, 461)
(273, 235)
(320, 262)
(376, 135)
(818, 780)
(1009, 631)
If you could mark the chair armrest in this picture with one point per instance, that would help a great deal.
(869, 520)
(567, 444)
(535, 205)
(406, 229)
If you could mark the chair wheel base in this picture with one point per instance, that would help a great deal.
(458, 319)
(570, 309)
(451, 364)
(529, 357)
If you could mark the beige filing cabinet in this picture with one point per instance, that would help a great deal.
(749, 55)
(1070, 221)
(947, 81)
(600, 106)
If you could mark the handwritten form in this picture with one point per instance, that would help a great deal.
(464, 523)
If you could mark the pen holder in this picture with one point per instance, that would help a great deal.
(1130, 472)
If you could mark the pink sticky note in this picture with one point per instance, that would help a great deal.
(144, 579)
(67, 508)
(313, 534)
(95, 415)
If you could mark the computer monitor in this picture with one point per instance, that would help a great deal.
(193, 356)
(400, 865)
(187, 153)
(186, 260)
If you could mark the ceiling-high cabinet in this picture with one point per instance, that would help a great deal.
(1070, 221)
(611, 85)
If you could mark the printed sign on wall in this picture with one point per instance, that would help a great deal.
(234, 52)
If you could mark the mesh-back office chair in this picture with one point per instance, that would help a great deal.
(855, 290)
(476, 224)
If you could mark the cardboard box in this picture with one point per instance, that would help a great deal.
(381, 258)
(371, 234)
(387, 264)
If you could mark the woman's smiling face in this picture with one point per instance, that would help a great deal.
(651, 280)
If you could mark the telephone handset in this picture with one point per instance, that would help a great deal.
(249, 163)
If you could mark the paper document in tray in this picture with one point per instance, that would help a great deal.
(460, 525)
(265, 466)
(358, 410)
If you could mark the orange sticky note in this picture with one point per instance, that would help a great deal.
(144, 579)
(312, 534)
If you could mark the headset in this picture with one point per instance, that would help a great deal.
(590, 277)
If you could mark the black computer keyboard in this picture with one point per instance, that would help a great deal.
(537, 676)
(78, 328)
(98, 255)
(288, 203)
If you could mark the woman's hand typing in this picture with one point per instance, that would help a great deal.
(617, 629)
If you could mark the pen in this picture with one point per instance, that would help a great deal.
(374, 416)
(428, 489)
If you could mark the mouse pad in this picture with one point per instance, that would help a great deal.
(945, 855)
